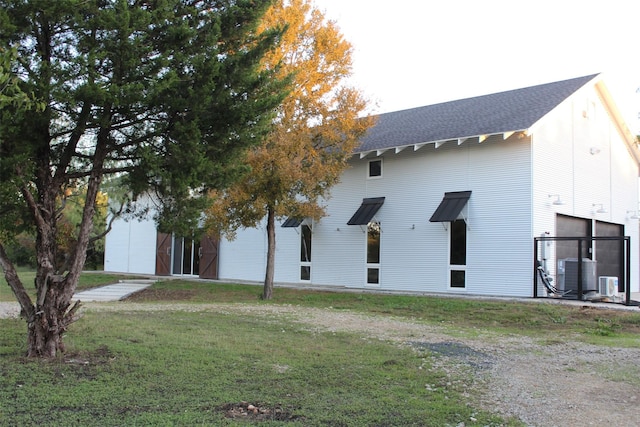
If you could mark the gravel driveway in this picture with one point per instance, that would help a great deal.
(550, 383)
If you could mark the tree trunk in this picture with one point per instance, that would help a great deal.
(271, 254)
(49, 316)
(50, 320)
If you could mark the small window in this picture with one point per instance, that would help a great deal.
(458, 246)
(305, 243)
(373, 253)
(306, 236)
(305, 272)
(373, 276)
(375, 168)
(458, 254)
(458, 278)
(373, 243)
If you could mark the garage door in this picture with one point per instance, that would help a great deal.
(569, 226)
(609, 254)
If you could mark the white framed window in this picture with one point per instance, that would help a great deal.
(375, 169)
(458, 254)
(373, 253)
(305, 252)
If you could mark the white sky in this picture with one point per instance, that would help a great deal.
(409, 53)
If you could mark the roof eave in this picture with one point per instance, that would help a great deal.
(438, 143)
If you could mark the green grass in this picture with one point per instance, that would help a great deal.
(87, 280)
(466, 315)
(178, 368)
(170, 368)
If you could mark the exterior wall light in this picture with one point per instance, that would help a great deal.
(601, 209)
(557, 201)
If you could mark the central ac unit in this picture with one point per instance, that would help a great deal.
(608, 286)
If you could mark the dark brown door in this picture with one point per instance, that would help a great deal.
(163, 254)
(209, 257)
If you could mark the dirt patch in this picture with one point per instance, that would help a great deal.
(455, 350)
(99, 356)
(152, 294)
(258, 412)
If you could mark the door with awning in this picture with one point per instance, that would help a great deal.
(449, 210)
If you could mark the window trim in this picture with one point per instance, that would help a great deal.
(305, 263)
(457, 267)
(369, 176)
(373, 266)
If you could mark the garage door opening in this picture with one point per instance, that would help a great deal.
(594, 268)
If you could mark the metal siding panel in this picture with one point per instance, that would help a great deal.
(414, 251)
(564, 165)
(243, 258)
(287, 268)
(499, 240)
(339, 249)
(130, 247)
(116, 247)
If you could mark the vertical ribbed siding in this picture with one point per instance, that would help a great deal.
(244, 258)
(579, 155)
(414, 252)
(130, 246)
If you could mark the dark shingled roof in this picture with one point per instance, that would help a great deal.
(514, 110)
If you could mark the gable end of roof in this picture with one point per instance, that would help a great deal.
(499, 113)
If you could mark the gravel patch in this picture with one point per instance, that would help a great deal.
(550, 383)
(9, 309)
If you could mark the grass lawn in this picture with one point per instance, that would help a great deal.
(178, 368)
(533, 318)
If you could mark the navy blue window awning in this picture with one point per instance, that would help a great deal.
(366, 211)
(292, 222)
(450, 206)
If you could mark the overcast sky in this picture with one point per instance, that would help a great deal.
(409, 53)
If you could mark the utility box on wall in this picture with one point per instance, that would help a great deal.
(568, 275)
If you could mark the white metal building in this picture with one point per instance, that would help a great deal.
(443, 198)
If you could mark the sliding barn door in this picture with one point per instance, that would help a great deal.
(209, 257)
(163, 254)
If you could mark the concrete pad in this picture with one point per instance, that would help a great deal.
(114, 292)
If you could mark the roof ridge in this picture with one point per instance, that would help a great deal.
(586, 77)
(495, 113)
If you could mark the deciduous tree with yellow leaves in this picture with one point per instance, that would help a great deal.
(317, 128)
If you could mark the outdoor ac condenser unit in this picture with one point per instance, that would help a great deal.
(608, 286)
(568, 275)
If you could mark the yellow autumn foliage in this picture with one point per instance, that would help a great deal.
(317, 127)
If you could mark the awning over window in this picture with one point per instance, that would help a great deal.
(366, 211)
(292, 222)
(451, 206)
